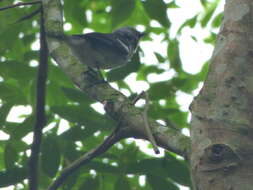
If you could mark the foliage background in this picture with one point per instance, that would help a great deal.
(122, 166)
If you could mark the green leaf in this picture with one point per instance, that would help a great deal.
(169, 168)
(129, 155)
(138, 16)
(77, 95)
(70, 182)
(101, 19)
(10, 156)
(4, 111)
(145, 70)
(83, 115)
(173, 55)
(209, 13)
(121, 11)
(12, 176)
(159, 57)
(27, 40)
(75, 14)
(157, 10)
(190, 22)
(161, 90)
(44, 180)
(9, 36)
(211, 39)
(58, 76)
(194, 38)
(179, 118)
(217, 20)
(147, 166)
(55, 95)
(50, 156)
(204, 3)
(105, 168)
(122, 183)
(107, 181)
(19, 130)
(160, 183)
(68, 149)
(186, 84)
(11, 92)
(17, 70)
(173, 5)
(158, 112)
(77, 133)
(90, 184)
(177, 170)
(201, 76)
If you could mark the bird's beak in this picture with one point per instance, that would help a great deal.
(141, 34)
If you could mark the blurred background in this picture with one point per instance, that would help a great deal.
(171, 65)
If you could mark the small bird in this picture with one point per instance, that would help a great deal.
(104, 50)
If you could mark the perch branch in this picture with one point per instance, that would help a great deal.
(166, 137)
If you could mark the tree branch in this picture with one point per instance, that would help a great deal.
(107, 143)
(32, 14)
(120, 105)
(147, 127)
(40, 109)
(19, 4)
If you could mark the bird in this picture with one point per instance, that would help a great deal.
(104, 50)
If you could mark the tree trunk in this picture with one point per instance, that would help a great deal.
(222, 114)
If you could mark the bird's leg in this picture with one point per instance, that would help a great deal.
(93, 76)
(99, 72)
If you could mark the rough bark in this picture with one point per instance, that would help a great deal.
(222, 114)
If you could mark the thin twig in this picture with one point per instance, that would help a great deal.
(40, 109)
(107, 143)
(20, 4)
(145, 118)
(137, 97)
(147, 127)
(35, 12)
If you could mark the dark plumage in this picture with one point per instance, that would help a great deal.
(105, 50)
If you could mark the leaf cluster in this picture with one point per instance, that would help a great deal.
(121, 167)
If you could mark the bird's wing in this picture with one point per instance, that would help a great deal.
(104, 41)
